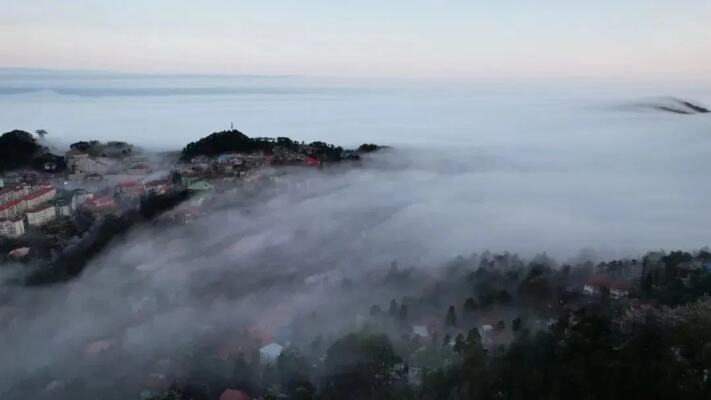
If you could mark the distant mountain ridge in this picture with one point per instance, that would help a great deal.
(680, 106)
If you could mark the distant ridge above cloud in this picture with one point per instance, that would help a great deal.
(47, 72)
(86, 83)
(671, 105)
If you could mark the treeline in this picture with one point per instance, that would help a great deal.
(546, 339)
(17, 150)
(234, 141)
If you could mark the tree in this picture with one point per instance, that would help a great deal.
(368, 147)
(516, 324)
(17, 148)
(473, 346)
(357, 366)
(393, 311)
(41, 133)
(293, 368)
(447, 339)
(459, 345)
(403, 312)
(375, 310)
(451, 318)
(470, 306)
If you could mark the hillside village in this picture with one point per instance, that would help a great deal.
(53, 199)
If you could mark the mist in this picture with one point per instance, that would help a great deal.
(467, 172)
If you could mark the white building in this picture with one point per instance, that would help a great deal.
(16, 193)
(80, 163)
(40, 195)
(270, 353)
(12, 228)
(589, 290)
(63, 209)
(15, 208)
(616, 290)
(79, 197)
(486, 332)
(420, 330)
(41, 215)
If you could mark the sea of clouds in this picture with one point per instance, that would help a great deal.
(536, 171)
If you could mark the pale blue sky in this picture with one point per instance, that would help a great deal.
(458, 40)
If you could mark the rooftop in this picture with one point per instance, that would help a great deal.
(31, 196)
(40, 207)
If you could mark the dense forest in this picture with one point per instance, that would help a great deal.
(550, 341)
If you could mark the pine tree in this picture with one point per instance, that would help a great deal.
(375, 310)
(393, 311)
(403, 312)
(459, 345)
(451, 319)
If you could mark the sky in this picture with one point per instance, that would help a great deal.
(648, 40)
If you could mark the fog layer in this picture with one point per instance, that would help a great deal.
(468, 172)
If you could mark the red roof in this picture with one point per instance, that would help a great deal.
(312, 161)
(30, 196)
(10, 204)
(158, 182)
(232, 394)
(38, 193)
(129, 184)
(101, 202)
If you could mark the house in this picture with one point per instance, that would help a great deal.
(596, 286)
(186, 179)
(420, 330)
(311, 161)
(200, 159)
(13, 193)
(64, 204)
(414, 375)
(229, 158)
(12, 228)
(41, 195)
(486, 332)
(14, 208)
(199, 186)
(19, 252)
(100, 204)
(130, 188)
(138, 169)
(270, 353)
(41, 215)
(80, 163)
(79, 197)
(159, 187)
(99, 346)
(232, 394)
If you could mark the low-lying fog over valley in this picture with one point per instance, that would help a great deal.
(559, 176)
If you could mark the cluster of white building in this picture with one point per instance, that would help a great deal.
(32, 203)
(16, 201)
(81, 164)
(12, 228)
